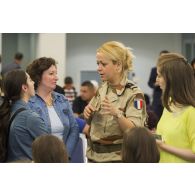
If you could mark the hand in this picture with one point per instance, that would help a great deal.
(108, 107)
(88, 111)
(160, 143)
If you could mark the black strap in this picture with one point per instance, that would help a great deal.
(13, 117)
(11, 120)
(8, 130)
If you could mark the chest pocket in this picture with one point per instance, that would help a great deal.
(96, 103)
(123, 101)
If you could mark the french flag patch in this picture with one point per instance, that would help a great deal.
(138, 104)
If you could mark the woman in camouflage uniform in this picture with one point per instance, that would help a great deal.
(118, 104)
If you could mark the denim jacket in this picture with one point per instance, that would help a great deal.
(26, 126)
(64, 112)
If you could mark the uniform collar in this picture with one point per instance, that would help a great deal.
(121, 85)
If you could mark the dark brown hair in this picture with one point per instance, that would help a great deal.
(49, 149)
(37, 67)
(88, 84)
(12, 88)
(68, 80)
(139, 146)
(179, 80)
(18, 56)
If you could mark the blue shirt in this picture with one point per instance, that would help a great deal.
(64, 112)
(26, 126)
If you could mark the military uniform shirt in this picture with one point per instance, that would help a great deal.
(103, 126)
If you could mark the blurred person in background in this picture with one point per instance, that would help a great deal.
(69, 89)
(157, 92)
(87, 91)
(16, 64)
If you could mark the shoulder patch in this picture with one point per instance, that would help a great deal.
(138, 104)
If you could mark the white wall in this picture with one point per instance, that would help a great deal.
(53, 45)
(81, 52)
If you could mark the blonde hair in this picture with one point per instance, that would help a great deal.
(118, 52)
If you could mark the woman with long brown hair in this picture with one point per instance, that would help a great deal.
(177, 124)
(26, 126)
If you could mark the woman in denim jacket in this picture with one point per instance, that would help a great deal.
(53, 107)
(26, 126)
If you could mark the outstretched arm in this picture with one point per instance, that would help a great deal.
(185, 154)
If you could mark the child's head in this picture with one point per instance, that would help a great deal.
(49, 149)
(139, 146)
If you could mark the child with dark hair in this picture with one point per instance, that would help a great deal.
(139, 146)
(49, 149)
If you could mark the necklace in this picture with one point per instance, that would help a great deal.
(49, 102)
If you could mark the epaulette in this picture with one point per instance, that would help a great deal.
(130, 85)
